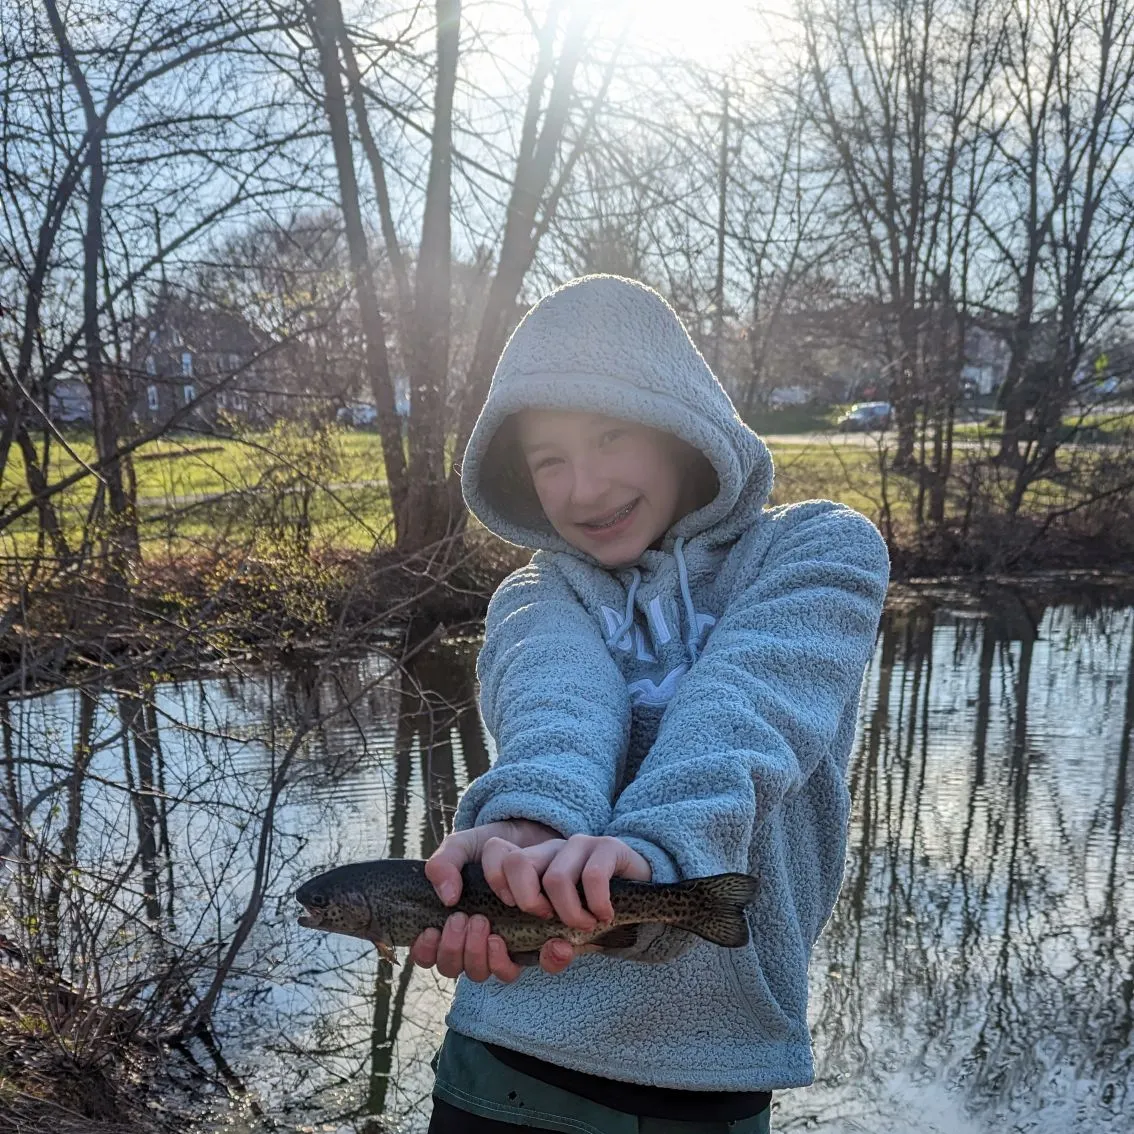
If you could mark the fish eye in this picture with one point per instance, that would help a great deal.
(315, 899)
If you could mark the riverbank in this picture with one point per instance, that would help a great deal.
(71, 1066)
(193, 613)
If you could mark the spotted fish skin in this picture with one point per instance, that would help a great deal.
(390, 902)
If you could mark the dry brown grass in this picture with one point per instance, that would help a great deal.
(44, 1086)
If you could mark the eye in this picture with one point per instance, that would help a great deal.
(612, 435)
(544, 462)
(313, 899)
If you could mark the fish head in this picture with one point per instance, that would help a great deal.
(335, 902)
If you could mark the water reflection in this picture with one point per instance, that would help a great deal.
(977, 974)
(353, 1035)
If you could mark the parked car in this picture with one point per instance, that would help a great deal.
(358, 413)
(867, 417)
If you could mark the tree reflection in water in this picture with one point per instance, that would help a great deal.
(977, 974)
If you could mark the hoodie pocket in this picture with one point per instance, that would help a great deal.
(764, 1017)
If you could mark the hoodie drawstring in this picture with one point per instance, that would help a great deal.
(628, 617)
(693, 635)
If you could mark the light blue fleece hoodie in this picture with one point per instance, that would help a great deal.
(700, 705)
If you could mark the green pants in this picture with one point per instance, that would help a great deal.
(471, 1080)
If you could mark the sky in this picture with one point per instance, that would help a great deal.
(708, 32)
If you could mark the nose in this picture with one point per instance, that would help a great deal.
(589, 486)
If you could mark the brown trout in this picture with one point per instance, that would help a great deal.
(390, 901)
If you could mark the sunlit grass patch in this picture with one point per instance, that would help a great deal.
(849, 474)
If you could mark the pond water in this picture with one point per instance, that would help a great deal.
(977, 974)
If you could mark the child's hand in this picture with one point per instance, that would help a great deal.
(543, 879)
(527, 877)
(465, 944)
(443, 868)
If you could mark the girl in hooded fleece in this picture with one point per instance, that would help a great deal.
(672, 685)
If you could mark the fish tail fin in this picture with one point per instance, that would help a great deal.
(717, 911)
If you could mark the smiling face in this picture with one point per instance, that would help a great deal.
(609, 487)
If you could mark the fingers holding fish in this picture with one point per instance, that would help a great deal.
(517, 872)
(556, 955)
(476, 966)
(492, 857)
(500, 961)
(591, 860)
(443, 868)
(560, 884)
(486, 954)
(423, 952)
(467, 945)
(451, 950)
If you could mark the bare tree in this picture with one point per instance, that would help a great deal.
(90, 105)
(1075, 161)
(425, 487)
(898, 90)
(287, 282)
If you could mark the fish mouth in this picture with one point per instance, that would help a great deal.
(309, 919)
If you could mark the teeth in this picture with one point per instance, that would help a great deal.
(616, 517)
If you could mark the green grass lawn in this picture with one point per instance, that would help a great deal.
(191, 463)
(340, 475)
(852, 474)
(1097, 427)
(847, 473)
(344, 471)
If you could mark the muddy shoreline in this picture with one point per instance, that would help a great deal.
(193, 618)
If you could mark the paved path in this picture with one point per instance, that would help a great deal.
(853, 440)
(859, 440)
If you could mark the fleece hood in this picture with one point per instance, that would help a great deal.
(609, 345)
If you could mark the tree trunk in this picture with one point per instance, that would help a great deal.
(373, 325)
(517, 250)
(428, 517)
(904, 386)
(1012, 396)
(120, 542)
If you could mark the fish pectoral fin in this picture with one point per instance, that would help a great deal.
(621, 937)
(527, 957)
(386, 951)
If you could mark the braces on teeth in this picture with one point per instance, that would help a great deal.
(616, 517)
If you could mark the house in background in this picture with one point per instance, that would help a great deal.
(364, 414)
(197, 363)
(987, 352)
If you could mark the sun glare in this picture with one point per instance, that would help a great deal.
(709, 32)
